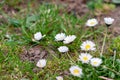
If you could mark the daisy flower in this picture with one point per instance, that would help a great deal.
(96, 62)
(69, 39)
(41, 63)
(92, 22)
(38, 36)
(60, 37)
(63, 49)
(85, 57)
(108, 20)
(76, 71)
(59, 78)
(88, 45)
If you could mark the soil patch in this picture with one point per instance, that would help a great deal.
(33, 54)
(116, 26)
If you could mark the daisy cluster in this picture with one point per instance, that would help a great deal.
(93, 22)
(66, 40)
(85, 58)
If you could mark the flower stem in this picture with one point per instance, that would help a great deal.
(114, 52)
(112, 70)
(103, 45)
(70, 58)
(105, 78)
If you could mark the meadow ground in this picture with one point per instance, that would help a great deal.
(19, 54)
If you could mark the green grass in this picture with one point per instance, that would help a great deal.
(51, 23)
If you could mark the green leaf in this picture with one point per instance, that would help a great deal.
(31, 20)
(112, 75)
(15, 22)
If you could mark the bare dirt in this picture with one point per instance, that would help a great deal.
(76, 7)
(116, 26)
(33, 54)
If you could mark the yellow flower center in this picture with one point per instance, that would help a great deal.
(94, 62)
(87, 47)
(85, 58)
(92, 23)
(76, 71)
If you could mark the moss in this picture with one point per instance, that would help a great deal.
(116, 45)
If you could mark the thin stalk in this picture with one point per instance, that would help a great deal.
(112, 70)
(105, 78)
(70, 58)
(114, 58)
(103, 45)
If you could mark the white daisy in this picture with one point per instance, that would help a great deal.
(76, 71)
(108, 20)
(96, 62)
(38, 36)
(41, 63)
(92, 22)
(63, 49)
(85, 57)
(59, 78)
(60, 37)
(88, 45)
(69, 39)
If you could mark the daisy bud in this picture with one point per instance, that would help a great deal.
(63, 49)
(60, 37)
(108, 21)
(69, 39)
(38, 36)
(41, 63)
